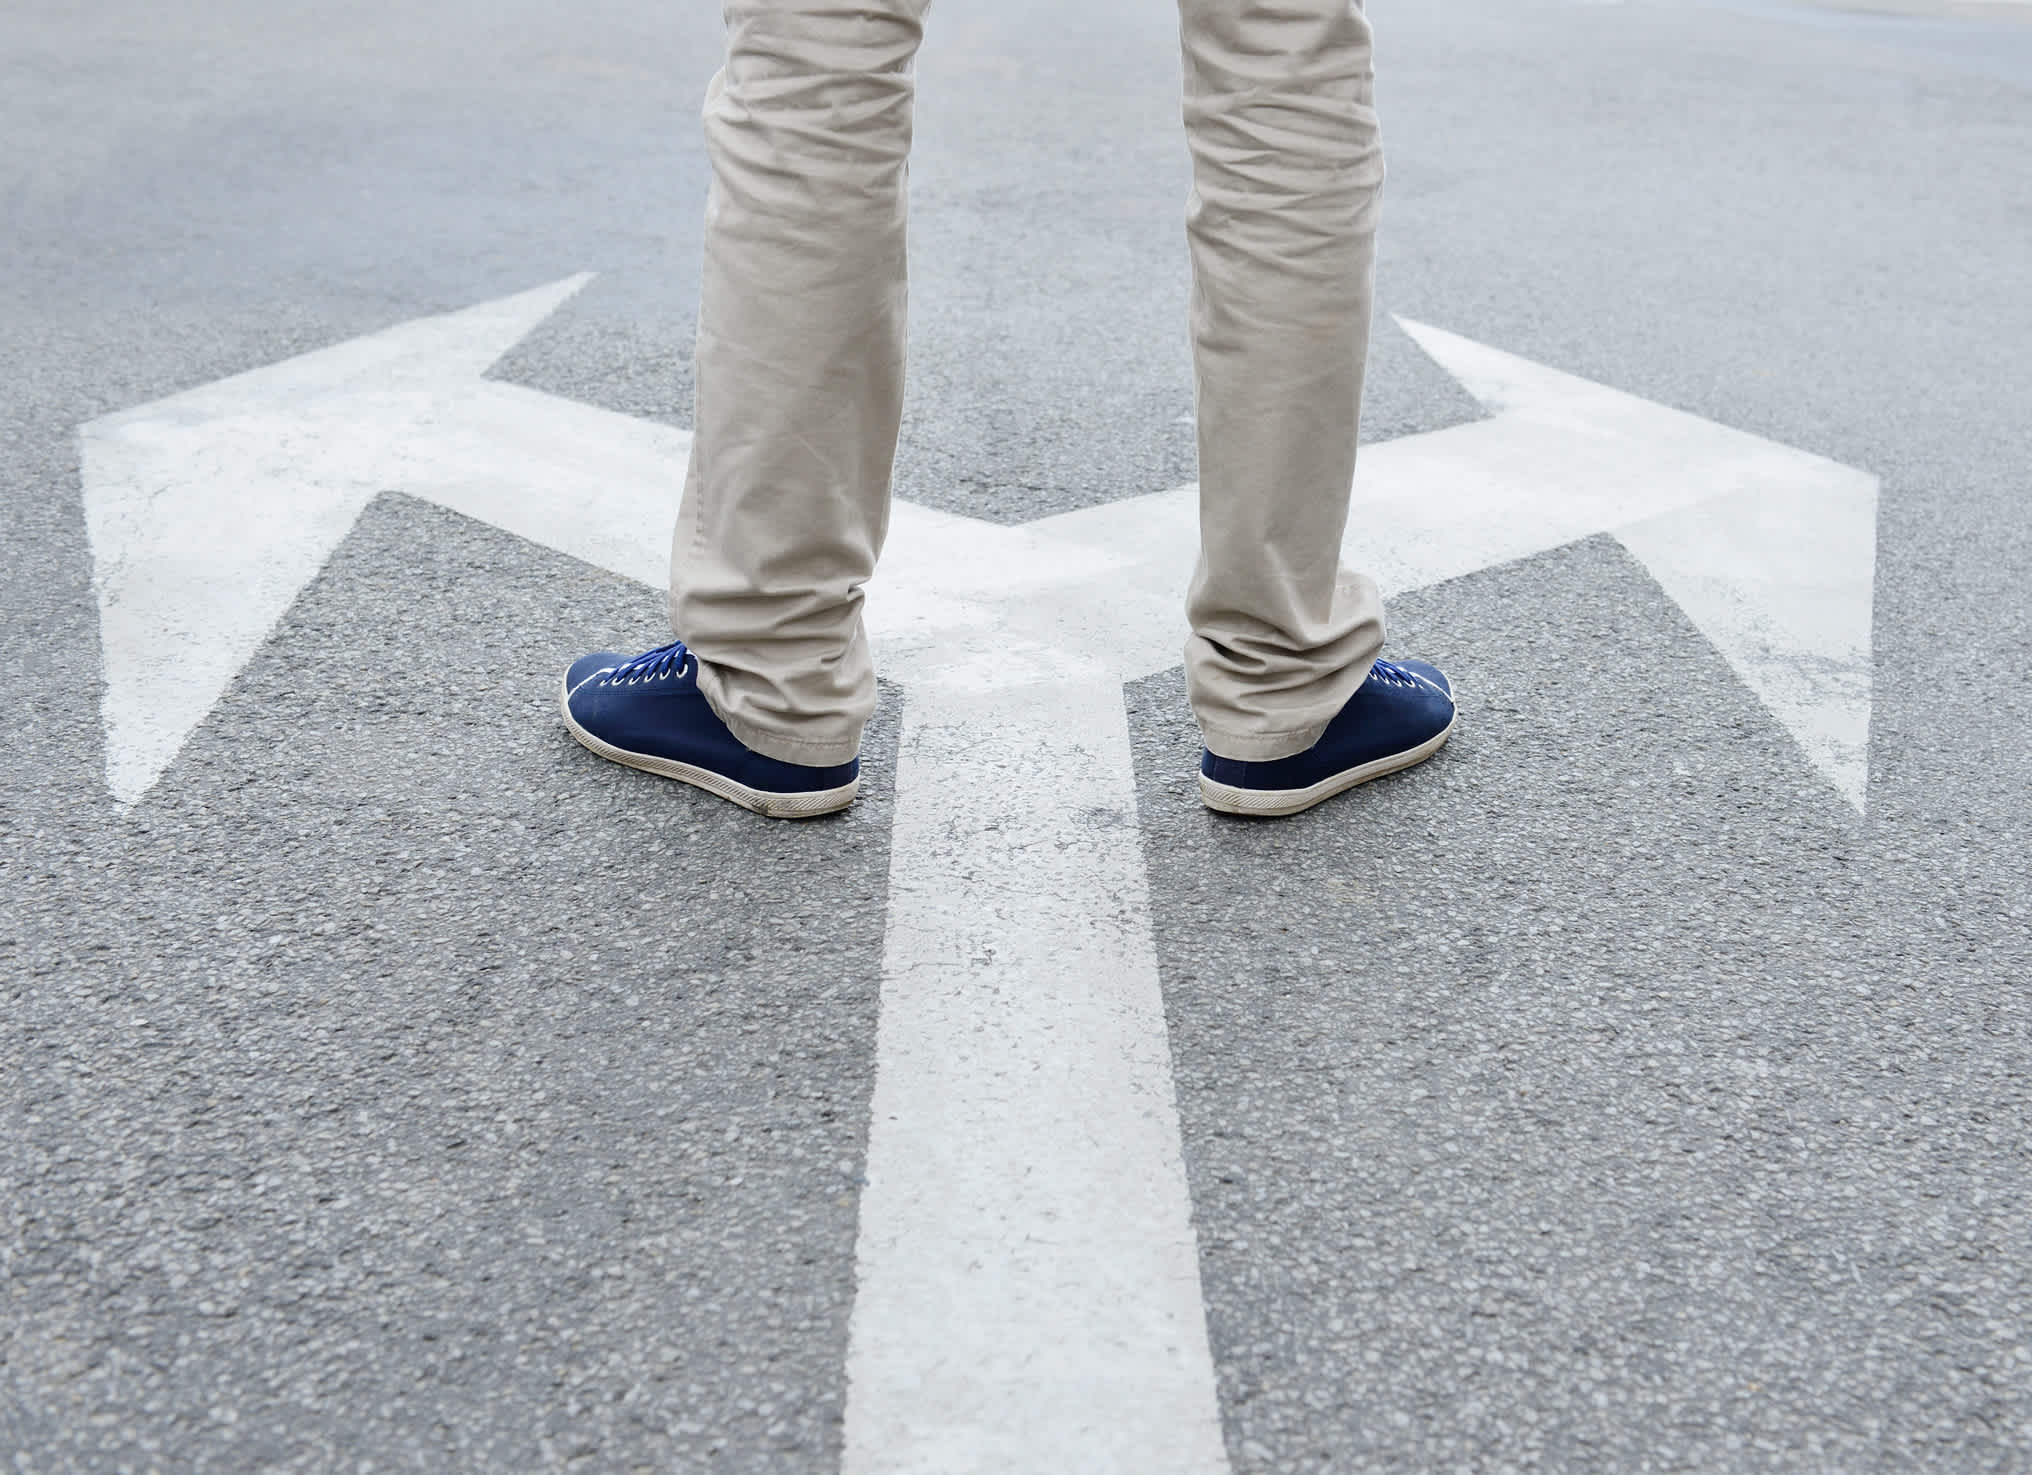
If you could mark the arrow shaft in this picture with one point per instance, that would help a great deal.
(1029, 1281)
(587, 482)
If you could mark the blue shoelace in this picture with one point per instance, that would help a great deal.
(652, 665)
(674, 659)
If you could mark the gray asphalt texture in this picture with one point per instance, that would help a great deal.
(400, 1088)
(367, 1117)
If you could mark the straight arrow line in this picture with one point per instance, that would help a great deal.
(1029, 1297)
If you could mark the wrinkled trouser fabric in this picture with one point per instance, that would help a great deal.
(800, 355)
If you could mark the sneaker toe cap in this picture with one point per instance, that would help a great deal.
(590, 665)
(1426, 671)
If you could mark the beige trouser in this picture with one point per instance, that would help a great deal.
(800, 365)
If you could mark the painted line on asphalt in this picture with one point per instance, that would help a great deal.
(209, 511)
(1029, 1297)
(1029, 1294)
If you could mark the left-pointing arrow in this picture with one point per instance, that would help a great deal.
(209, 511)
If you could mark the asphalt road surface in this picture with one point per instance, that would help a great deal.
(395, 1086)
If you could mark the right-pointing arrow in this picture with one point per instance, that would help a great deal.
(1770, 551)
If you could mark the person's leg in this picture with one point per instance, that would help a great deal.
(1287, 169)
(799, 369)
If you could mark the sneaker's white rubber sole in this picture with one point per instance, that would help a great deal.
(1274, 803)
(776, 806)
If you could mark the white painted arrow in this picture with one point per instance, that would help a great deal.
(209, 511)
(1028, 1278)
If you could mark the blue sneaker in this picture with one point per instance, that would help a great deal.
(648, 713)
(1400, 716)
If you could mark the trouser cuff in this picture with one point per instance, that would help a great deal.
(1259, 747)
(785, 747)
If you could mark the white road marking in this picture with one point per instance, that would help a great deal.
(1029, 1299)
(1770, 551)
(1029, 1294)
(209, 511)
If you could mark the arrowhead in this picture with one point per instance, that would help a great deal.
(209, 511)
(1769, 550)
(1781, 580)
